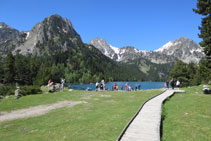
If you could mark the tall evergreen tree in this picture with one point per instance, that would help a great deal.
(180, 72)
(22, 70)
(1, 69)
(204, 8)
(8, 68)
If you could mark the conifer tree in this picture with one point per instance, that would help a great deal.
(204, 8)
(8, 68)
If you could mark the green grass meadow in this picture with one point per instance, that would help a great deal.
(187, 116)
(102, 118)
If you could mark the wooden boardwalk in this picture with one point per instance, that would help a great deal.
(146, 125)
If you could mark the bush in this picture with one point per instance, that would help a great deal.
(3, 90)
(7, 90)
(28, 90)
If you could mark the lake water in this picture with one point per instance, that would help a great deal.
(144, 85)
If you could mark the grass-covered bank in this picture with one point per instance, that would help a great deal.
(187, 116)
(102, 118)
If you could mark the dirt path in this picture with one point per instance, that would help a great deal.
(36, 111)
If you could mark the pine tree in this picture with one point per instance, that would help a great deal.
(22, 70)
(204, 8)
(180, 72)
(8, 68)
(1, 69)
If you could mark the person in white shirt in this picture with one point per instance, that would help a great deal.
(177, 84)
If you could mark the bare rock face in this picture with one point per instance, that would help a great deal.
(7, 33)
(9, 38)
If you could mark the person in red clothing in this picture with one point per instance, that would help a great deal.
(114, 86)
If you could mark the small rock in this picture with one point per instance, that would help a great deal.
(33, 131)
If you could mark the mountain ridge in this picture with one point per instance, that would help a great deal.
(58, 52)
(181, 49)
(55, 37)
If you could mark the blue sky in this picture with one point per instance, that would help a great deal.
(144, 24)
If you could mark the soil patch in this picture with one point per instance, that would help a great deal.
(36, 111)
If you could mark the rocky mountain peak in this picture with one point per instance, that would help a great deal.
(7, 33)
(54, 32)
(104, 47)
(182, 49)
(183, 39)
(3, 25)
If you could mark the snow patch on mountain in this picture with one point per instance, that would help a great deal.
(115, 49)
(166, 46)
(182, 49)
(27, 35)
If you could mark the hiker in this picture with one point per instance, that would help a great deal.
(62, 84)
(103, 85)
(97, 86)
(114, 86)
(126, 86)
(129, 88)
(172, 83)
(50, 83)
(139, 86)
(167, 84)
(136, 87)
(117, 87)
(177, 84)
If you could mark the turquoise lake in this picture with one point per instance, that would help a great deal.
(108, 86)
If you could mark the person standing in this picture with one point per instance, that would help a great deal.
(114, 86)
(103, 84)
(177, 84)
(97, 86)
(126, 86)
(136, 87)
(172, 83)
(62, 84)
(139, 86)
(117, 87)
(167, 84)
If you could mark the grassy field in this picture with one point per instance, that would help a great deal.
(102, 118)
(187, 116)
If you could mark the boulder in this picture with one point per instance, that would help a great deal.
(207, 91)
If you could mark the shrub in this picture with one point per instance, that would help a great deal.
(3, 90)
(28, 90)
(7, 90)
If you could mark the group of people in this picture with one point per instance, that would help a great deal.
(51, 83)
(172, 83)
(127, 87)
(115, 87)
(100, 86)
